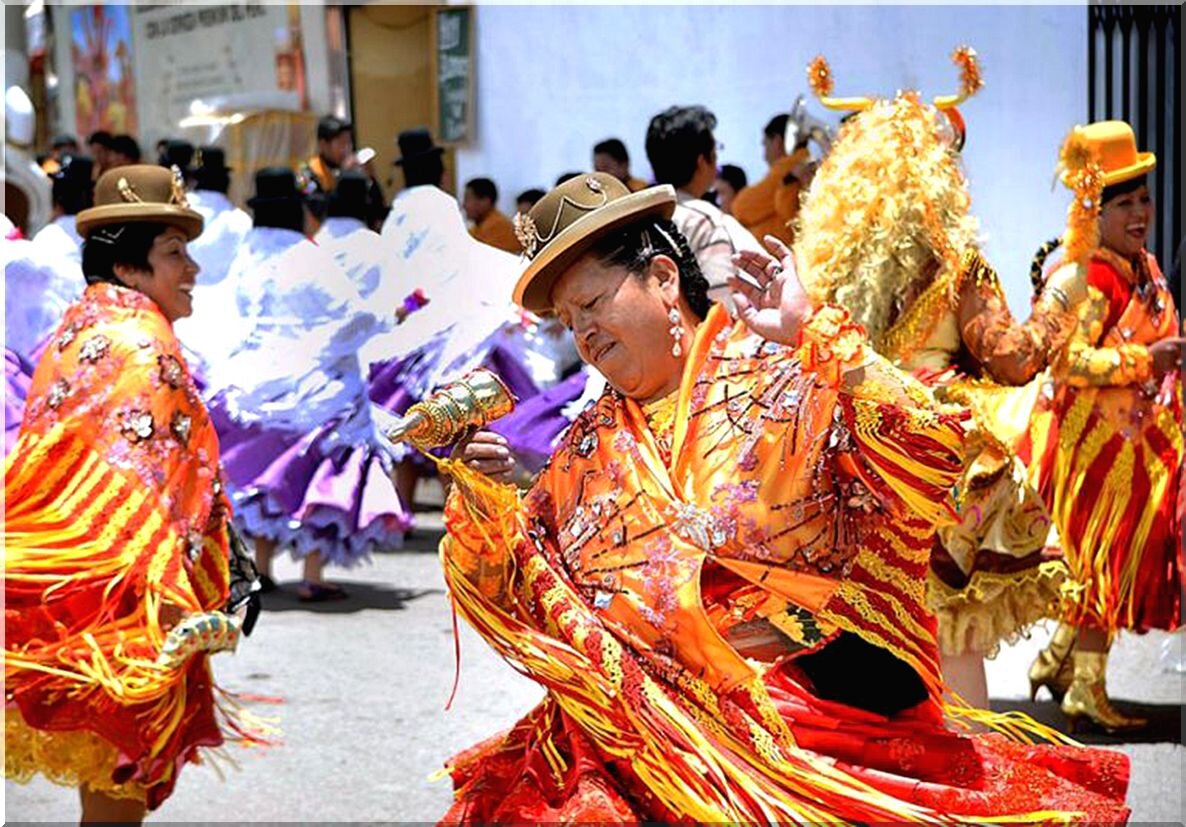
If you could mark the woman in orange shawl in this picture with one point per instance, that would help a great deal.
(1107, 446)
(116, 543)
(720, 578)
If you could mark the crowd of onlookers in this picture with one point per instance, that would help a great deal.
(680, 147)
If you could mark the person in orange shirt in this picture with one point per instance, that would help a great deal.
(491, 226)
(769, 206)
(610, 156)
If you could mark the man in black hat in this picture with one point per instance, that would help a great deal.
(73, 192)
(420, 159)
(422, 165)
(279, 202)
(180, 154)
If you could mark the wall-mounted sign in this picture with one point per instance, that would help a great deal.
(453, 74)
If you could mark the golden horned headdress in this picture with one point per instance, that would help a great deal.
(888, 202)
(819, 78)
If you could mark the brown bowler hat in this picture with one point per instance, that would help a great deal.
(567, 221)
(140, 193)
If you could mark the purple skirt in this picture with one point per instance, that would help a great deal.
(18, 376)
(309, 491)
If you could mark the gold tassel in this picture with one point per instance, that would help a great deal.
(1080, 171)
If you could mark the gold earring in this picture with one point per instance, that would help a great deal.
(677, 333)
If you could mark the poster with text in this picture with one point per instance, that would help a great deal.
(101, 55)
(192, 58)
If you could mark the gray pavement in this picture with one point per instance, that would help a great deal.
(364, 684)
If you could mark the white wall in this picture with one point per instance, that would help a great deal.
(553, 80)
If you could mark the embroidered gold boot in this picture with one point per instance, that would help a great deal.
(1087, 698)
(1052, 668)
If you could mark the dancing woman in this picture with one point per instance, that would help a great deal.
(1107, 447)
(117, 550)
(720, 578)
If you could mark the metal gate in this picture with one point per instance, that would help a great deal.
(1134, 66)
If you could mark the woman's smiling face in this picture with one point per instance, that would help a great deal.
(169, 282)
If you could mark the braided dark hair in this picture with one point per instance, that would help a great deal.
(1037, 278)
(634, 245)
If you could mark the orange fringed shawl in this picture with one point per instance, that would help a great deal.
(115, 528)
(816, 474)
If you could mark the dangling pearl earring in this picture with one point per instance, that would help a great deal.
(677, 333)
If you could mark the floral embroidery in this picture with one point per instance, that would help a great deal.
(172, 373)
(193, 546)
(137, 426)
(94, 348)
(69, 333)
(587, 445)
(180, 427)
(58, 393)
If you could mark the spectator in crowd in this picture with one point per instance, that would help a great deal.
(730, 181)
(770, 205)
(526, 200)
(319, 174)
(123, 151)
(490, 225)
(73, 192)
(180, 154)
(62, 145)
(99, 144)
(683, 153)
(420, 159)
(566, 176)
(610, 156)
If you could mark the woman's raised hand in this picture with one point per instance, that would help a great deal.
(771, 300)
(487, 453)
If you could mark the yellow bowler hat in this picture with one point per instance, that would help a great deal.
(1116, 148)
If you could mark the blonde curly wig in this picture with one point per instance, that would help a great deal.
(888, 201)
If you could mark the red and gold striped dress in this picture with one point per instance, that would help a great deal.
(1106, 450)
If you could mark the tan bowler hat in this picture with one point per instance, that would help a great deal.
(140, 193)
(567, 221)
(1116, 146)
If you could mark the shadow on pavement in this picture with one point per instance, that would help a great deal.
(1165, 721)
(361, 596)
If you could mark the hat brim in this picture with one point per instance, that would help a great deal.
(1145, 162)
(188, 221)
(404, 159)
(533, 291)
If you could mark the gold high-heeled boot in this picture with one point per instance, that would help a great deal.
(1087, 697)
(1052, 668)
